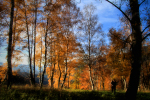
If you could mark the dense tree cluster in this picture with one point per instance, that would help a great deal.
(69, 45)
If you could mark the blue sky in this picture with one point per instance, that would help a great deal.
(107, 13)
(108, 16)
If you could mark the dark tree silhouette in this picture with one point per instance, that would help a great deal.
(136, 46)
(9, 71)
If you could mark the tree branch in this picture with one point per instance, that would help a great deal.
(142, 2)
(128, 38)
(145, 28)
(120, 10)
(124, 41)
(146, 36)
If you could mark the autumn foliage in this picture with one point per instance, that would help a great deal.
(69, 45)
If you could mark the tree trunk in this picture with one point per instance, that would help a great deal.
(40, 62)
(135, 51)
(66, 66)
(14, 31)
(9, 71)
(45, 63)
(30, 63)
(53, 70)
(125, 84)
(35, 2)
(65, 75)
(58, 60)
(89, 65)
(68, 79)
(103, 84)
(100, 85)
(91, 80)
(52, 77)
(59, 75)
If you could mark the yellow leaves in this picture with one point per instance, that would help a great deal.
(118, 58)
(3, 71)
(14, 73)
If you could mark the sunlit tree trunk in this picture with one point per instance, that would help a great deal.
(59, 73)
(58, 60)
(52, 77)
(125, 84)
(89, 59)
(45, 63)
(66, 65)
(9, 72)
(69, 80)
(53, 69)
(103, 84)
(64, 75)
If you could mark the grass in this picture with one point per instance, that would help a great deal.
(35, 93)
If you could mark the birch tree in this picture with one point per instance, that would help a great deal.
(90, 27)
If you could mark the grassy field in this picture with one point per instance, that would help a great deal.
(34, 93)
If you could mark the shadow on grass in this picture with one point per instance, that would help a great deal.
(55, 94)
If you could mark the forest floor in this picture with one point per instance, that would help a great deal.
(35, 93)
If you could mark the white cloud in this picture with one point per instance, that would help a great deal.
(108, 15)
(106, 12)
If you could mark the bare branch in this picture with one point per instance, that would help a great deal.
(146, 36)
(142, 2)
(120, 10)
(145, 28)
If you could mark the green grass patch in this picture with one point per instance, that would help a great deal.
(35, 93)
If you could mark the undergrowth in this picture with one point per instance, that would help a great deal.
(35, 93)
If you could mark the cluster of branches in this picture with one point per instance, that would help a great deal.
(48, 24)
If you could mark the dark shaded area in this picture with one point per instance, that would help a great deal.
(113, 86)
(46, 94)
(22, 78)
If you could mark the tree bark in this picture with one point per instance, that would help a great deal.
(89, 65)
(68, 80)
(35, 2)
(9, 71)
(125, 84)
(91, 80)
(53, 70)
(40, 63)
(65, 75)
(45, 63)
(135, 51)
(52, 77)
(136, 46)
(59, 74)
(29, 52)
(66, 66)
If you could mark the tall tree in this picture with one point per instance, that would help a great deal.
(90, 27)
(118, 58)
(136, 44)
(102, 70)
(9, 52)
(35, 24)
(28, 35)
